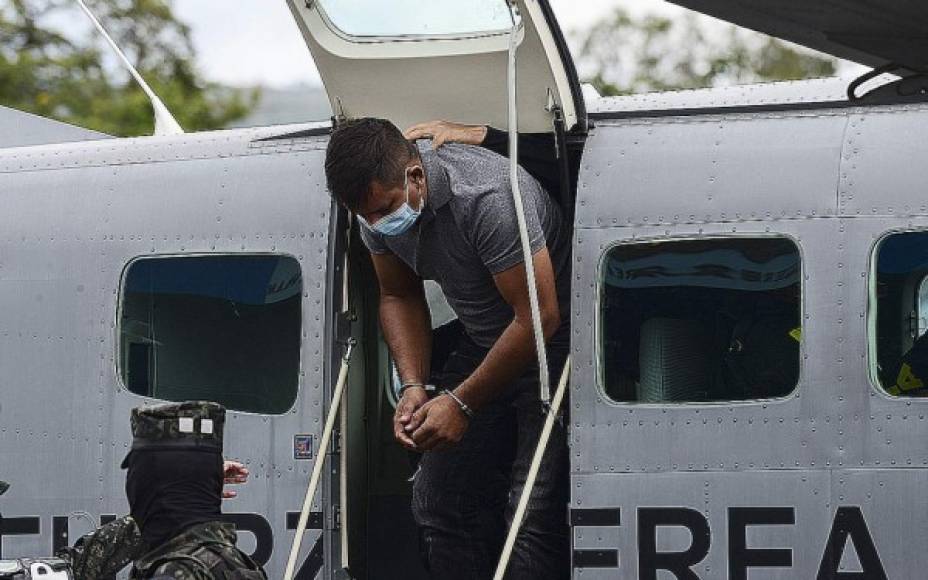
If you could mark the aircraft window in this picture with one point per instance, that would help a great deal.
(374, 18)
(700, 320)
(901, 309)
(222, 328)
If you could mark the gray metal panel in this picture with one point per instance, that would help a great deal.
(68, 231)
(839, 441)
(610, 437)
(780, 93)
(19, 129)
(883, 170)
(711, 169)
(188, 147)
(890, 432)
(669, 172)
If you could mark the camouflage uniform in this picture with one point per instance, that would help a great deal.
(203, 552)
(99, 555)
(191, 424)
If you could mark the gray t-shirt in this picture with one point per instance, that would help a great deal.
(469, 232)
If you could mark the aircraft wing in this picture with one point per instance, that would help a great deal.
(870, 32)
(19, 129)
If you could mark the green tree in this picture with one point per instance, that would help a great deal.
(46, 72)
(623, 54)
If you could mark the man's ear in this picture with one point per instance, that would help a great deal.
(416, 173)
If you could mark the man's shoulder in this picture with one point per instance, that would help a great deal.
(105, 551)
(179, 569)
(465, 150)
(472, 157)
(473, 173)
(121, 529)
(194, 554)
(189, 542)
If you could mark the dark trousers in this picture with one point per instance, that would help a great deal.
(464, 497)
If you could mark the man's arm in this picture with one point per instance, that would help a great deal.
(515, 348)
(441, 422)
(99, 555)
(407, 327)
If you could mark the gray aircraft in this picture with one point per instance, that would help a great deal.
(748, 312)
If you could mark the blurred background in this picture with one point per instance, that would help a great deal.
(223, 64)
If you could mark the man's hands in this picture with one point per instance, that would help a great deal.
(441, 132)
(233, 472)
(423, 425)
(413, 399)
(437, 425)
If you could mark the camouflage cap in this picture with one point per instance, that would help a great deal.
(188, 425)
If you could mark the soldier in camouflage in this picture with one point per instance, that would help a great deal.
(174, 485)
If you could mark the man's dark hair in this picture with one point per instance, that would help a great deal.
(363, 151)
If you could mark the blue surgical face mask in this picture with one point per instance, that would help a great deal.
(400, 220)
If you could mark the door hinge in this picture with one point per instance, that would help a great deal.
(336, 517)
(336, 442)
(338, 113)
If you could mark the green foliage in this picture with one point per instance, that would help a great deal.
(45, 72)
(626, 55)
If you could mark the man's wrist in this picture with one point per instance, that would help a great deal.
(415, 385)
(465, 408)
(480, 134)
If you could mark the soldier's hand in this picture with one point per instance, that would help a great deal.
(413, 398)
(441, 132)
(233, 472)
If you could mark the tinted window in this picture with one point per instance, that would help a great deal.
(219, 328)
(901, 345)
(417, 17)
(708, 320)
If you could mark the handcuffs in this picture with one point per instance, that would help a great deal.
(432, 389)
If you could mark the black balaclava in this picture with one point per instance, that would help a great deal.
(171, 490)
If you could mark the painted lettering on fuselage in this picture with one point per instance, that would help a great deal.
(848, 528)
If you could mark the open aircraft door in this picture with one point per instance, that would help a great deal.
(419, 60)
(412, 61)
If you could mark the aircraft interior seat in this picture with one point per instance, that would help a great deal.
(674, 361)
(762, 361)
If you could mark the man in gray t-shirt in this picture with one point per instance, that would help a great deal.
(447, 215)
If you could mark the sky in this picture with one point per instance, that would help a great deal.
(256, 42)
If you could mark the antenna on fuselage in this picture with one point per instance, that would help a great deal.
(165, 123)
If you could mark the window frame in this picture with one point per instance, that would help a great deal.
(872, 310)
(377, 39)
(122, 387)
(918, 303)
(598, 324)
